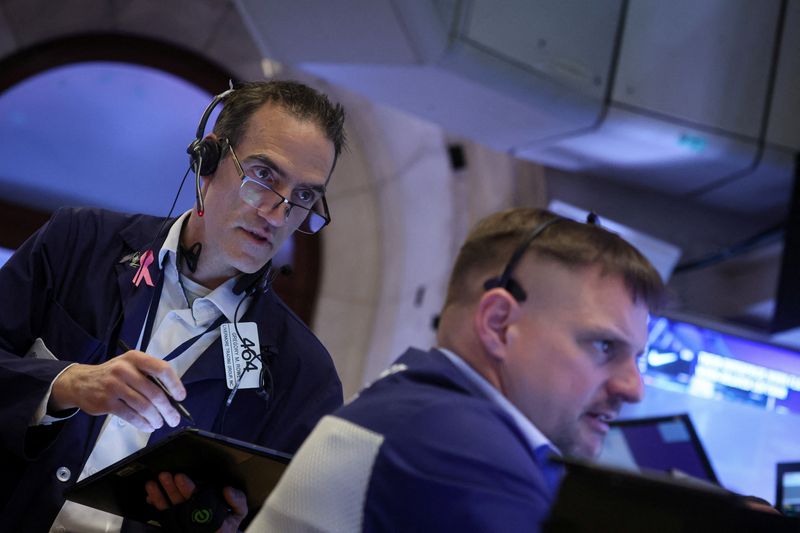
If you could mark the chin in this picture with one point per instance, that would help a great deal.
(248, 264)
(588, 449)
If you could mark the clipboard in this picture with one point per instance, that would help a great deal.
(203, 456)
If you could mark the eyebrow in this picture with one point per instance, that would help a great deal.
(267, 161)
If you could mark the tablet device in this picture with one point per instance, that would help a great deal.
(594, 498)
(205, 457)
(667, 444)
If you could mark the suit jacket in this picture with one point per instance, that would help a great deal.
(69, 285)
(433, 454)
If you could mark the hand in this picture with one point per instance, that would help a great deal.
(121, 387)
(759, 504)
(179, 488)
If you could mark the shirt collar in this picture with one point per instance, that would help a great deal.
(222, 296)
(170, 245)
(535, 438)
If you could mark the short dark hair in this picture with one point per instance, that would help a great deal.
(492, 241)
(300, 100)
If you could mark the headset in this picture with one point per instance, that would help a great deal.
(505, 280)
(204, 154)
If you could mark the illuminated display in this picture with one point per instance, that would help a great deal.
(710, 364)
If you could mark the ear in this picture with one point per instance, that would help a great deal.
(497, 310)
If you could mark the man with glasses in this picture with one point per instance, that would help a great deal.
(102, 309)
(537, 352)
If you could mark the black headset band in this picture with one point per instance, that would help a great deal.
(201, 127)
(505, 280)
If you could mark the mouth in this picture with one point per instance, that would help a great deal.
(600, 420)
(258, 235)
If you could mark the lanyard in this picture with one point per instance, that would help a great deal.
(183, 347)
(152, 310)
(143, 309)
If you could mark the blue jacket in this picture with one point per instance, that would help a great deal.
(433, 453)
(68, 285)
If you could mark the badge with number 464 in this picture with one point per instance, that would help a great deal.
(241, 355)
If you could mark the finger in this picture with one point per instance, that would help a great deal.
(148, 401)
(155, 496)
(122, 410)
(237, 501)
(163, 371)
(157, 395)
(185, 485)
(168, 483)
(145, 395)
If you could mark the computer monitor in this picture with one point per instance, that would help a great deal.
(714, 362)
(787, 492)
(667, 444)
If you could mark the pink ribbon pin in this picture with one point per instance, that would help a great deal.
(144, 262)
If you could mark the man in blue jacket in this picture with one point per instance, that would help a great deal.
(96, 304)
(537, 352)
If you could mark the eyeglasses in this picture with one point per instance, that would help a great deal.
(308, 211)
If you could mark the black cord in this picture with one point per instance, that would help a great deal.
(761, 238)
(265, 377)
(171, 209)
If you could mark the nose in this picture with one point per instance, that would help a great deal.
(276, 214)
(626, 382)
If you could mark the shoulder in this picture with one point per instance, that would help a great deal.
(451, 452)
(85, 222)
(430, 409)
(419, 388)
(307, 372)
(291, 328)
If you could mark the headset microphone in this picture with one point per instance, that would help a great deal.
(263, 278)
(248, 283)
(204, 154)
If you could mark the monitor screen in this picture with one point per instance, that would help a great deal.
(710, 363)
(741, 390)
(787, 493)
(667, 444)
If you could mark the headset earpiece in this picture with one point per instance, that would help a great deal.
(205, 153)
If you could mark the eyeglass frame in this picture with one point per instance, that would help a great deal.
(326, 216)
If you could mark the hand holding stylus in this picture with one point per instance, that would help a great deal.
(123, 386)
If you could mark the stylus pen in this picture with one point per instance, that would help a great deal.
(175, 403)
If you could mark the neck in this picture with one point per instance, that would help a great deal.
(457, 334)
(193, 260)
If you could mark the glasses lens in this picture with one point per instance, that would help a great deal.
(313, 223)
(257, 196)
